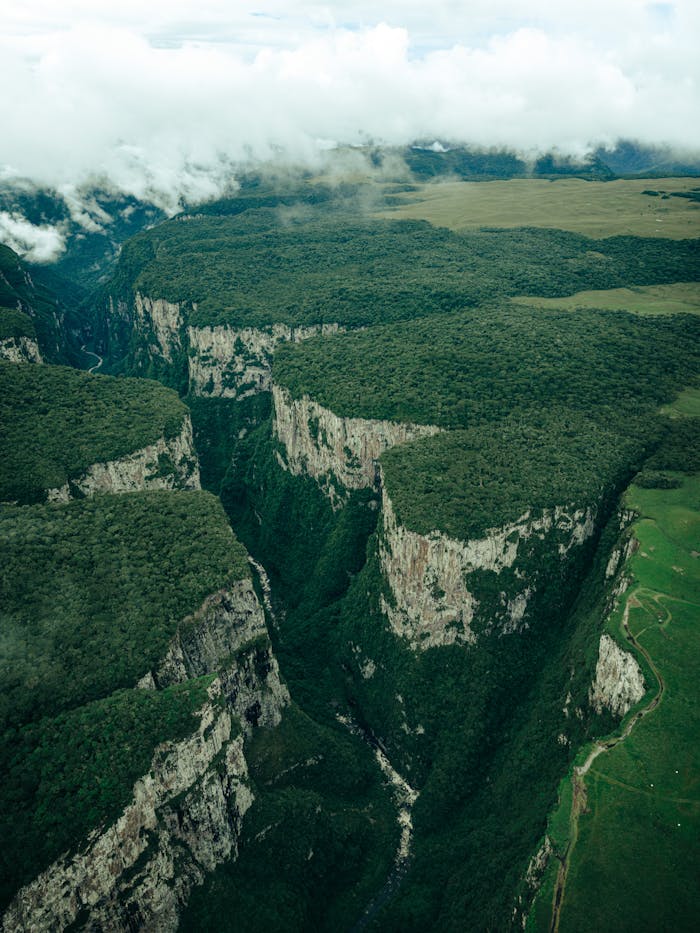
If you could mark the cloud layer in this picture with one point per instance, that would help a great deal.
(162, 99)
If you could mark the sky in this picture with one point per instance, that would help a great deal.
(166, 99)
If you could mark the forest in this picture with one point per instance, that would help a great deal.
(56, 421)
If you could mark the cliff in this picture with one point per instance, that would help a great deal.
(153, 337)
(161, 322)
(234, 363)
(432, 600)
(20, 350)
(170, 463)
(619, 682)
(335, 450)
(186, 812)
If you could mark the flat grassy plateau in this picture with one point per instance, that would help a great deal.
(594, 208)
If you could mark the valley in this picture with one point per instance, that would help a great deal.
(328, 571)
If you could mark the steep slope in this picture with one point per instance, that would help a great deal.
(123, 645)
(67, 434)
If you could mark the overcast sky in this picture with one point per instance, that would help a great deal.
(161, 96)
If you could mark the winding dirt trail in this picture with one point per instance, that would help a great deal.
(578, 803)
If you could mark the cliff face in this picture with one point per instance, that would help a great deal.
(153, 337)
(335, 450)
(170, 463)
(160, 322)
(619, 682)
(20, 350)
(185, 814)
(431, 598)
(234, 363)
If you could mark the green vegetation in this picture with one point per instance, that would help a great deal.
(679, 298)
(577, 422)
(643, 807)
(328, 265)
(464, 482)
(15, 323)
(32, 296)
(55, 422)
(321, 822)
(65, 775)
(594, 208)
(471, 368)
(92, 591)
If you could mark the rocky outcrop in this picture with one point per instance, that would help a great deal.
(20, 350)
(162, 322)
(340, 453)
(227, 362)
(431, 600)
(228, 634)
(619, 682)
(185, 815)
(183, 820)
(169, 463)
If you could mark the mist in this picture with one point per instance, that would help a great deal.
(168, 104)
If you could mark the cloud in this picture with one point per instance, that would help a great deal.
(162, 102)
(34, 243)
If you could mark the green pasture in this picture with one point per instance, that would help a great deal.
(687, 404)
(635, 863)
(678, 298)
(594, 208)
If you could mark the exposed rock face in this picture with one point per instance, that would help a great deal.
(170, 463)
(234, 363)
(228, 634)
(345, 450)
(619, 682)
(431, 602)
(20, 350)
(161, 320)
(185, 815)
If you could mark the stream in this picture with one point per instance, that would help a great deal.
(404, 795)
(97, 365)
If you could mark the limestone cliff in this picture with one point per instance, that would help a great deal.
(20, 350)
(232, 362)
(185, 814)
(160, 321)
(169, 463)
(432, 600)
(335, 450)
(619, 682)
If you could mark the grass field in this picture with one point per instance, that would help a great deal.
(596, 209)
(636, 846)
(687, 404)
(679, 298)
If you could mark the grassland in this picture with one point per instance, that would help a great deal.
(635, 847)
(593, 208)
(679, 298)
(686, 404)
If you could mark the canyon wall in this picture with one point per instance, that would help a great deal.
(20, 350)
(169, 463)
(185, 814)
(339, 453)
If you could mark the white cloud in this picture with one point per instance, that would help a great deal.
(35, 243)
(162, 98)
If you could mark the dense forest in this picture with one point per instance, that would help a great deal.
(56, 421)
(310, 264)
(91, 594)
